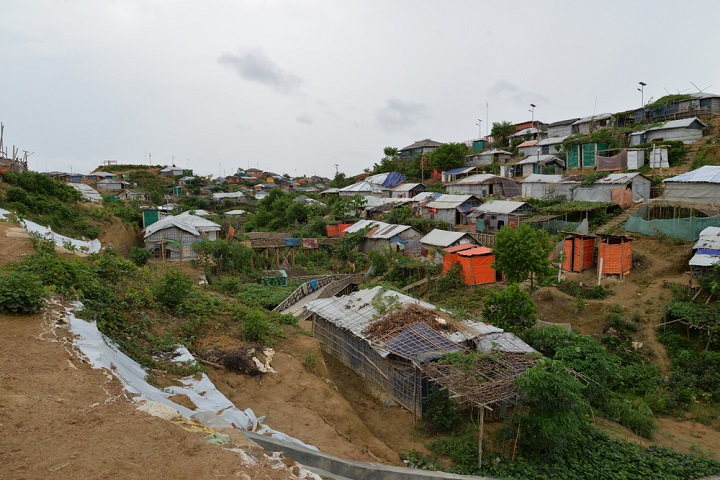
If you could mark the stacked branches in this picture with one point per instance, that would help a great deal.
(490, 380)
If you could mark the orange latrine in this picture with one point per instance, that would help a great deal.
(451, 255)
(578, 252)
(615, 254)
(477, 265)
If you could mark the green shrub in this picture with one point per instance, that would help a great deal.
(511, 309)
(140, 256)
(172, 289)
(256, 325)
(452, 280)
(21, 292)
(634, 414)
(442, 414)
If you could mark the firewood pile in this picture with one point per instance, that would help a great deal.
(393, 323)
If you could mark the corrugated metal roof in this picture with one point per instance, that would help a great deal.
(200, 223)
(682, 123)
(475, 179)
(425, 196)
(171, 221)
(532, 159)
(442, 238)
(706, 174)
(704, 260)
(496, 151)
(405, 187)
(184, 221)
(421, 144)
(355, 312)
(504, 342)
(539, 178)
(528, 143)
(551, 141)
(593, 118)
(389, 231)
(709, 238)
(525, 131)
(618, 178)
(360, 224)
(449, 201)
(87, 191)
(561, 123)
(363, 186)
(220, 195)
(499, 206)
(457, 171)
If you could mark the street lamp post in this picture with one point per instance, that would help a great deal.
(479, 124)
(532, 120)
(642, 93)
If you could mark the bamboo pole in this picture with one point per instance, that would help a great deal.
(480, 436)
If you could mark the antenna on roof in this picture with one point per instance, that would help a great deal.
(700, 90)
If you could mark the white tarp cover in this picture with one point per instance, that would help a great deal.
(87, 246)
(104, 353)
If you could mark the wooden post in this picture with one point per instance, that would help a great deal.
(480, 439)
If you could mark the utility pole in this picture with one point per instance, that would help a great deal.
(479, 124)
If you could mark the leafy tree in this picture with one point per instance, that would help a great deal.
(511, 309)
(341, 180)
(448, 156)
(348, 207)
(554, 413)
(522, 253)
(501, 132)
(389, 162)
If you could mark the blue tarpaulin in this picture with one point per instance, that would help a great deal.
(292, 242)
(393, 180)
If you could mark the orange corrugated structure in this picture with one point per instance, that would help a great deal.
(578, 252)
(451, 255)
(477, 265)
(615, 254)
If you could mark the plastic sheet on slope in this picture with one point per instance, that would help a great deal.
(87, 246)
(103, 353)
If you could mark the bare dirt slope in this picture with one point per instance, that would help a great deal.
(61, 419)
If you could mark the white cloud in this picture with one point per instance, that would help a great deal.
(255, 66)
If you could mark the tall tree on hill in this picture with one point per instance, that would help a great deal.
(389, 162)
(522, 253)
(501, 132)
(448, 156)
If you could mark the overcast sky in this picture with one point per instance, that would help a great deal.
(297, 87)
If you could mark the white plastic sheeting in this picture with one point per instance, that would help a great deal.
(104, 353)
(86, 246)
